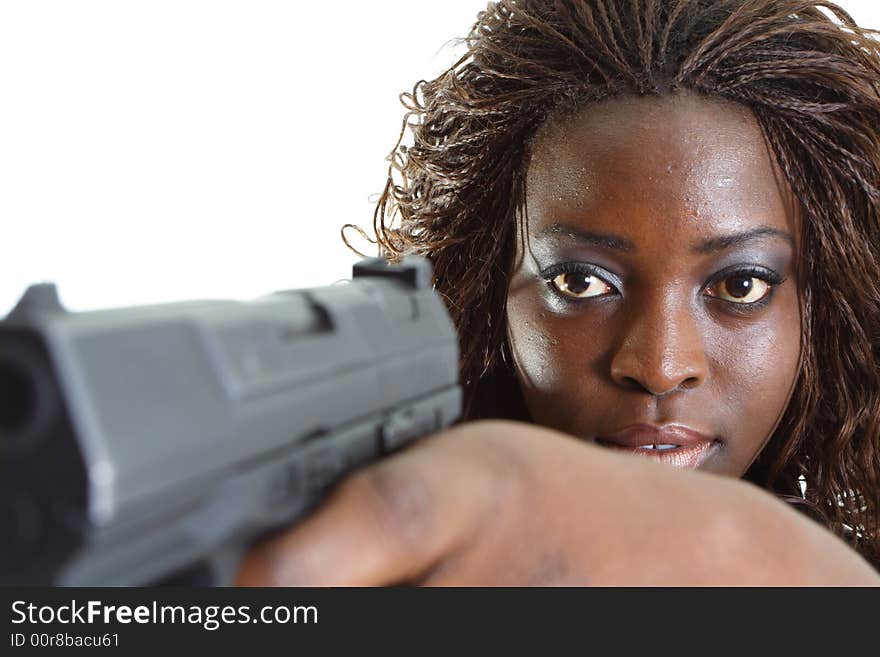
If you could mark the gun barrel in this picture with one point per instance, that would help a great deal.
(18, 403)
(44, 479)
(20, 516)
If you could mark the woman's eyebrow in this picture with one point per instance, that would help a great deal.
(587, 237)
(736, 239)
(617, 243)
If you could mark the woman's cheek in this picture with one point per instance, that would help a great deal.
(553, 358)
(534, 351)
(753, 371)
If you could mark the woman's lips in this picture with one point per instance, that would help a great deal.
(674, 444)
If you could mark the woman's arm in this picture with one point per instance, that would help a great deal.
(503, 503)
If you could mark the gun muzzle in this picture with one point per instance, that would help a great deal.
(18, 404)
(43, 488)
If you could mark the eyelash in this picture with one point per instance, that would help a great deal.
(770, 277)
(579, 268)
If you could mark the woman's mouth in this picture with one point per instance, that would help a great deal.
(674, 444)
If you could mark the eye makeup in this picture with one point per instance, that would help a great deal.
(767, 275)
(586, 268)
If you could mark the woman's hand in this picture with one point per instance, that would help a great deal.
(502, 503)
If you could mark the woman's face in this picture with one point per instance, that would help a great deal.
(655, 300)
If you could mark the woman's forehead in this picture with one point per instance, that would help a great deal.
(684, 161)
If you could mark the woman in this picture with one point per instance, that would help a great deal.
(657, 227)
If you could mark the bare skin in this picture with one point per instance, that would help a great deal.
(686, 324)
(503, 503)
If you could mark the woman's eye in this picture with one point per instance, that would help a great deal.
(579, 285)
(741, 288)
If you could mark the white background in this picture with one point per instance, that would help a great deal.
(167, 150)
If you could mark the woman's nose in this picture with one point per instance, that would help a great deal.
(661, 350)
